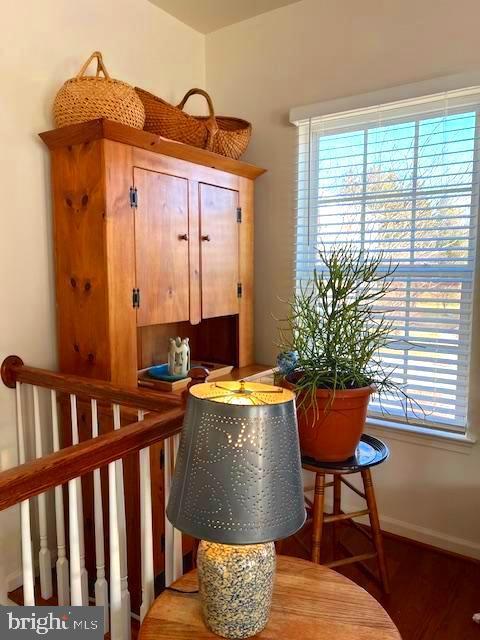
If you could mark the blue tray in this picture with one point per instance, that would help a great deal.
(160, 372)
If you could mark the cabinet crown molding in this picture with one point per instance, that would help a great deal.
(109, 130)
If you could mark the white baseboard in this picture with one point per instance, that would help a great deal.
(14, 580)
(431, 537)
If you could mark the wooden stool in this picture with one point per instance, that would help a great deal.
(369, 453)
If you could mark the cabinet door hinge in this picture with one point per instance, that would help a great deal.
(133, 197)
(239, 214)
(136, 298)
(239, 290)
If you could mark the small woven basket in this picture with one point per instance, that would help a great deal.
(221, 134)
(88, 97)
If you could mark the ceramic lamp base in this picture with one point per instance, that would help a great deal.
(236, 585)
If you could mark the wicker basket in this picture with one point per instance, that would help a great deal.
(88, 97)
(221, 134)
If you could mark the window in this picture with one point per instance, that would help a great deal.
(402, 179)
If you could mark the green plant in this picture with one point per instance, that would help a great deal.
(334, 329)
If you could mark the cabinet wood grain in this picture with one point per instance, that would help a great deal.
(161, 247)
(219, 251)
(80, 256)
(119, 263)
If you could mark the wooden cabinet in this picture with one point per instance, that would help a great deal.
(153, 239)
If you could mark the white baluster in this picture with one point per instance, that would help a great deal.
(76, 591)
(101, 586)
(167, 472)
(77, 516)
(27, 557)
(117, 626)
(146, 529)
(122, 534)
(173, 537)
(44, 556)
(177, 535)
(62, 568)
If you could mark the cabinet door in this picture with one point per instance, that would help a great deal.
(218, 251)
(161, 247)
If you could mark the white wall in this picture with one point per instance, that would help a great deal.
(311, 51)
(43, 44)
(318, 50)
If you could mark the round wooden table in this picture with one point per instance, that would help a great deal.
(309, 602)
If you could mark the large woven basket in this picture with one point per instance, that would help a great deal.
(221, 134)
(88, 97)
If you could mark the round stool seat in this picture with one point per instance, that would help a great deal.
(370, 452)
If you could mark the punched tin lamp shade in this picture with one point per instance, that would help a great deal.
(238, 473)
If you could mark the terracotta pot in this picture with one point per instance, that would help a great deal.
(333, 432)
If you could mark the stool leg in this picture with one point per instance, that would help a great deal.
(375, 525)
(337, 508)
(318, 504)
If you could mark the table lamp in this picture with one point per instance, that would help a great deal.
(238, 487)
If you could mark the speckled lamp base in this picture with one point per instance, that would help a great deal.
(236, 584)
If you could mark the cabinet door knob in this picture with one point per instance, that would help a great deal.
(206, 238)
(183, 236)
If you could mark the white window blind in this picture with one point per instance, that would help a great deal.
(402, 179)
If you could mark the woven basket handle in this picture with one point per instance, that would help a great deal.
(100, 66)
(211, 123)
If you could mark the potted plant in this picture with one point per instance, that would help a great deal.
(330, 341)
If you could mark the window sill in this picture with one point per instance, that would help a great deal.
(459, 442)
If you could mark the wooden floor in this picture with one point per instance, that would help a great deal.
(433, 595)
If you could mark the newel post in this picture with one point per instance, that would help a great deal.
(9, 370)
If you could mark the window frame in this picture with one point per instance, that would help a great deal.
(428, 432)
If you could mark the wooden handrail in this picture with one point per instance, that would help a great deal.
(13, 370)
(33, 478)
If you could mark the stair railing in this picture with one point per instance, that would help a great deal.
(159, 418)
